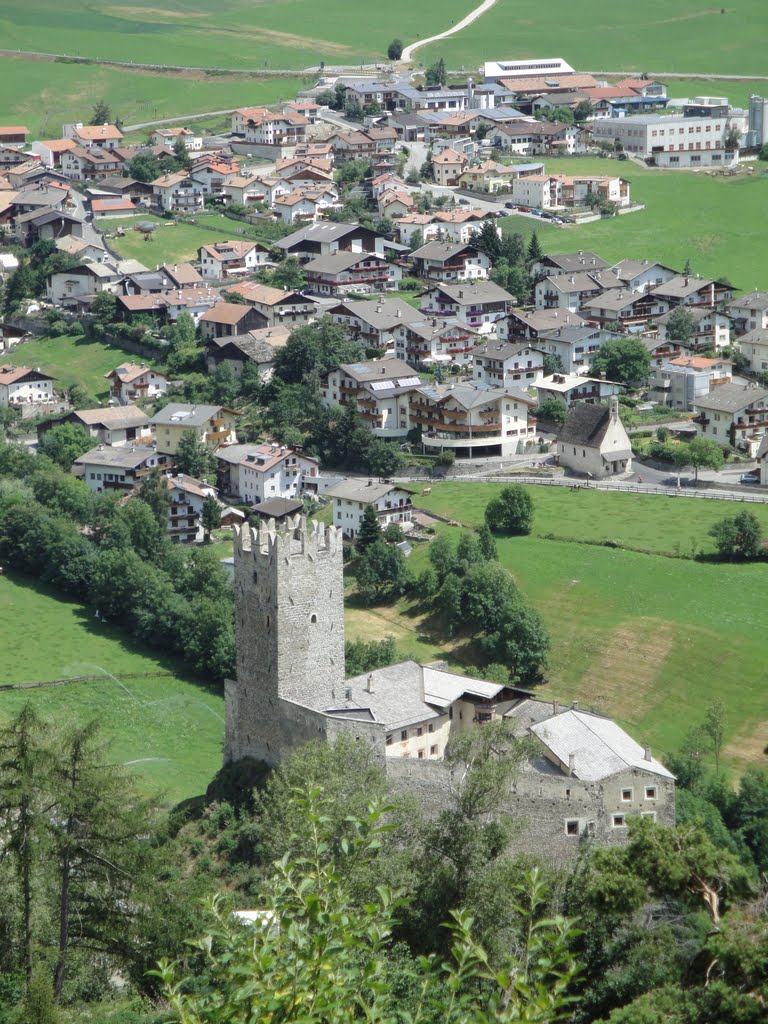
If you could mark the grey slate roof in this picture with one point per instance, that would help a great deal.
(573, 261)
(441, 250)
(113, 417)
(585, 425)
(381, 314)
(119, 458)
(601, 747)
(323, 231)
(338, 262)
(179, 414)
(731, 398)
(377, 369)
(477, 291)
(360, 490)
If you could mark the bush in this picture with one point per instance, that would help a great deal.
(511, 512)
(738, 537)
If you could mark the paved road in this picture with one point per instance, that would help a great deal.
(409, 51)
(175, 120)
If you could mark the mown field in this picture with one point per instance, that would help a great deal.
(171, 241)
(717, 223)
(651, 640)
(656, 37)
(71, 359)
(231, 34)
(168, 728)
(43, 95)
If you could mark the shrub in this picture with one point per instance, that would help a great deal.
(511, 511)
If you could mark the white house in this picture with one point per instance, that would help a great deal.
(187, 495)
(672, 140)
(450, 261)
(118, 468)
(568, 291)
(735, 414)
(345, 272)
(679, 383)
(115, 425)
(712, 328)
(507, 364)
(750, 311)
(593, 441)
(170, 136)
(130, 382)
(378, 388)
(20, 385)
(253, 473)
(754, 346)
(474, 303)
(225, 259)
(352, 497)
(178, 192)
(105, 136)
(568, 388)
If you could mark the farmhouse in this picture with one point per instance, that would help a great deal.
(130, 382)
(116, 425)
(228, 318)
(20, 385)
(735, 414)
(593, 441)
(256, 348)
(212, 424)
(254, 473)
(351, 498)
(220, 260)
(106, 468)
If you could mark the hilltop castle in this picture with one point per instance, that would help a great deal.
(291, 688)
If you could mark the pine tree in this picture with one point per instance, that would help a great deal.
(688, 269)
(535, 252)
(370, 531)
(210, 515)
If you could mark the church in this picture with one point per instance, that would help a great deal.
(587, 777)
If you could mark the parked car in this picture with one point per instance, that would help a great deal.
(750, 478)
(463, 201)
(510, 205)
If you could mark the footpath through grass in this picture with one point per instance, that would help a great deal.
(71, 359)
(647, 639)
(167, 727)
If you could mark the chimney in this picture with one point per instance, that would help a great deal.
(571, 764)
(347, 693)
(399, 313)
(369, 684)
(555, 708)
(574, 705)
(647, 754)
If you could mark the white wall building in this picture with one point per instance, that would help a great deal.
(672, 141)
(254, 473)
(352, 497)
(20, 385)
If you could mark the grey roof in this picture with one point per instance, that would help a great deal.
(338, 262)
(613, 299)
(322, 231)
(585, 425)
(46, 215)
(276, 508)
(386, 369)
(681, 286)
(114, 417)
(541, 320)
(407, 693)
(600, 747)
(365, 491)
(581, 281)
(380, 314)
(627, 270)
(751, 300)
(573, 261)
(179, 414)
(441, 250)
(119, 458)
(255, 349)
(731, 397)
(477, 393)
(571, 334)
(235, 453)
(477, 291)
(501, 349)
(756, 337)
(697, 313)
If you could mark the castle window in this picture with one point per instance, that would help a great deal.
(618, 821)
(626, 795)
(404, 734)
(389, 739)
(255, 576)
(433, 750)
(431, 727)
(420, 731)
(313, 618)
(421, 755)
(572, 827)
(650, 792)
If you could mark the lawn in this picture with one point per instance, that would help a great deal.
(659, 37)
(649, 640)
(168, 728)
(71, 359)
(717, 223)
(173, 241)
(642, 521)
(229, 34)
(45, 95)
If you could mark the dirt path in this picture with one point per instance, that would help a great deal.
(409, 51)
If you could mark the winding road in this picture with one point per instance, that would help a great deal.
(409, 51)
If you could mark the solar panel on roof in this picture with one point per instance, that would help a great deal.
(360, 368)
(381, 385)
(408, 382)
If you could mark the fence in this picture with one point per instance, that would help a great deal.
(606, 485)
(42, 684)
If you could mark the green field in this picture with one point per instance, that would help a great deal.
(650, 640)
(71, 359)
(231, 34)
(168, 728)
(43, 95)
(717, 223)
(172, 241)
(657, 37)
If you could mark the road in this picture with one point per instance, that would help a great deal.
(175, 120)
(409, 51)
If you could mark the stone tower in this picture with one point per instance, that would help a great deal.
(289, 621)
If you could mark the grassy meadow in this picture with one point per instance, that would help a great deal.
(655, 38)
(647, 639)
(43, 95)
(168, 728)
(717, 223)
(71, 359)
(172, 241)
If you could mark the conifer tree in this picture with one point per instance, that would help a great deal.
(370, 531)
